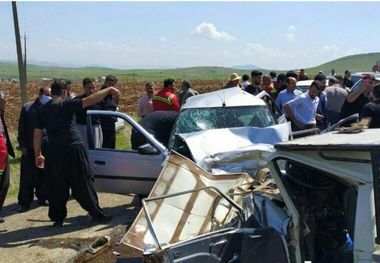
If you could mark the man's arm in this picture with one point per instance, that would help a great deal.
(290, 115)
(355, 94)
(366, 121)
(98, 96)
(37, 140)
(176, 104)
(22, 131)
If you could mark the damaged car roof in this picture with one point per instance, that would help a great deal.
(363, 141)
(222, 98)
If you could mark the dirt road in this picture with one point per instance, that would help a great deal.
(30, 236)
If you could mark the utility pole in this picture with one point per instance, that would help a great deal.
(21, 65)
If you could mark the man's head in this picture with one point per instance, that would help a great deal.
(149, 89)
(315, 89)
(256, 77)
(245, 77)
(169, 83)
(89, 86)
(347, 74)
(292, 74)
(281, 79)
(110, 81)
(291, 84)
(44, 91)
(266, 80)
(272, 74)
(321, 78)
(302, 71)
(368, 81)
(376, 92)
(58, 87)
(234, 79)
(185, 85)
(333, 81)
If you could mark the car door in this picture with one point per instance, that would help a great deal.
(123, 169)
(272, 106)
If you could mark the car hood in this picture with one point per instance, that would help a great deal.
(233, 150)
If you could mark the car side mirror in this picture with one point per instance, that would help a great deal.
(147, 149)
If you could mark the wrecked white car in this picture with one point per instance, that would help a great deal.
(322, 205)
(222, 131)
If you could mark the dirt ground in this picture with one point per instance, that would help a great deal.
(30, 236)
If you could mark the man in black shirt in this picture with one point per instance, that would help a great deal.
(347, 82)
(108, 123)
(255, 87)
(89, 87)
(356, 99)
(157, 123)
(31, 178)
(67, 159)
(371, 111)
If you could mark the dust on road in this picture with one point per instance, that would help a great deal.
(30, 237)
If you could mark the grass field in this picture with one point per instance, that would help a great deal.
(361, 62)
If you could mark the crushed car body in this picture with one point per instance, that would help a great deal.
(321, 202)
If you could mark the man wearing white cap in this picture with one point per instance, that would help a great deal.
(233, 81)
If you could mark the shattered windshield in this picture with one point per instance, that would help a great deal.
(192, 120)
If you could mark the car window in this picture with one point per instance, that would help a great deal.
(192, 120)
(126, 137)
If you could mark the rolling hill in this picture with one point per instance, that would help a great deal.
(362, 62)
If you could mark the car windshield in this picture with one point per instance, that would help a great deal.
(192, 120)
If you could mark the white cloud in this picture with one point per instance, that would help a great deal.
(163, 39)
(328, 48)
(208, 30)
(290, 34)
(265, 50)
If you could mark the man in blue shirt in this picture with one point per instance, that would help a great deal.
(288, 94)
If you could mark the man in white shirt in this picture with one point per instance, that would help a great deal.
(302, 111)
(145, 105)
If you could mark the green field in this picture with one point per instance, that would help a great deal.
(362, 62)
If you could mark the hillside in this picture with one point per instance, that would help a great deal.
(354, 63)
(362, 62)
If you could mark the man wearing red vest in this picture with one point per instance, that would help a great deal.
(165, 99)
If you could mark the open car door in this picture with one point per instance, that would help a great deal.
(123, 169)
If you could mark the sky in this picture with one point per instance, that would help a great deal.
(131, 35)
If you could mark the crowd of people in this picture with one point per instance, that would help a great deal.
(53, 134)
(328, 100)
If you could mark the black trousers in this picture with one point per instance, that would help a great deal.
(4, 185)
(109, 133)
(69, 168)
(32, 180)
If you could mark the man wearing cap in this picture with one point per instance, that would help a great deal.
(165, 98)
(110, 103)
(302, 111)
(233, 81)
(356, 99)
(255, 87)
